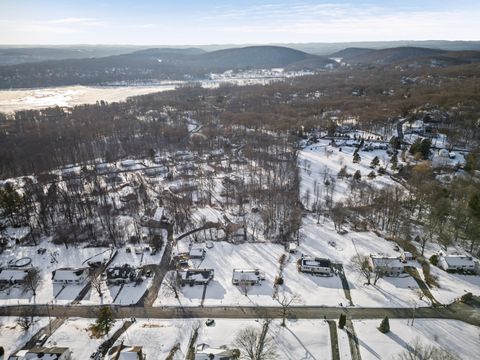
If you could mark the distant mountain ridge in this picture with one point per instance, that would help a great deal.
(403, 55)
(156, 64)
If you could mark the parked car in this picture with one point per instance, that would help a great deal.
(210, 322)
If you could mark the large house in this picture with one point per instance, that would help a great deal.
(389, 265)
(43, 353)
(195, 276)
(456, 263)
(12, 276)
(121, 274)
(247, 276)
(205, 352)
(315, 265)
(70, 276)
(124, 352)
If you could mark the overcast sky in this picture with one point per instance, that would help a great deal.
(194, 22)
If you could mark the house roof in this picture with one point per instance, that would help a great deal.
(44, 353)
(204, 352)
(313, 261)
(194, 274)
(68, 273)
(13, 274)
(247, 274)
(387, 261)
(458, 260)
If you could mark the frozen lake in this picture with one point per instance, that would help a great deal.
(12, 100)
(64, 96)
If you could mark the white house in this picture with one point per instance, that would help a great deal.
(12, 276)
(196, 253)
(389, 265)
(195, 276)
(124, 352)
(407, 256)
(456, 262)
(44, 353)
(205, 352)
(315, 265)
(70, 276)
(247, 276)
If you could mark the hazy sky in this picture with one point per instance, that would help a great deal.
(177, 22)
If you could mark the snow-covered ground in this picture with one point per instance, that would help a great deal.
(75, 334)
(457, 337)
(13, 100)
(320, 161)
(12, 336)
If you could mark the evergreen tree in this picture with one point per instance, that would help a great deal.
(394, 161)
(384, 326)
(357, 176)
(372, 175)
(342, 321)
(105, 320)
(356, 157)
(375, 162)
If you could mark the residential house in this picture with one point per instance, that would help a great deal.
(292, 248)
(43, 353)
(121, 274)
(196, 253)
(70, 276)
(457, 263)
(247, 277)
(12, 275)
(195, 276)
(205, 352)
(389, 265)
(315, 265)
(124, 352)
(407, 256)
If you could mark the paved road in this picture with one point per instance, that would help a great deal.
(458, 311)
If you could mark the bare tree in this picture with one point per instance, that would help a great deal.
(97, 284)
(172, 285)
(361, 264)
(418, 351)
(32, 281)
(286, 302)
(25, 323)
(255, 344)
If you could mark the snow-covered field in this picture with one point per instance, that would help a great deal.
(12, 336)
(13, 100)
(319, 162)
(457, 337)
(75, 335)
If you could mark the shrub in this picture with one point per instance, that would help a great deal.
(279, 280)
(466, 298)
(434, 259)
(384, 326)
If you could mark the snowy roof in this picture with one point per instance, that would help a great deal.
(247, 274)
(194, 274)
(196, 252)
(458, 260)
(313, 261)
(204, 352)
(68, 273)
(388, 261)
(126, 352)
(13, 274)
(44, 353)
